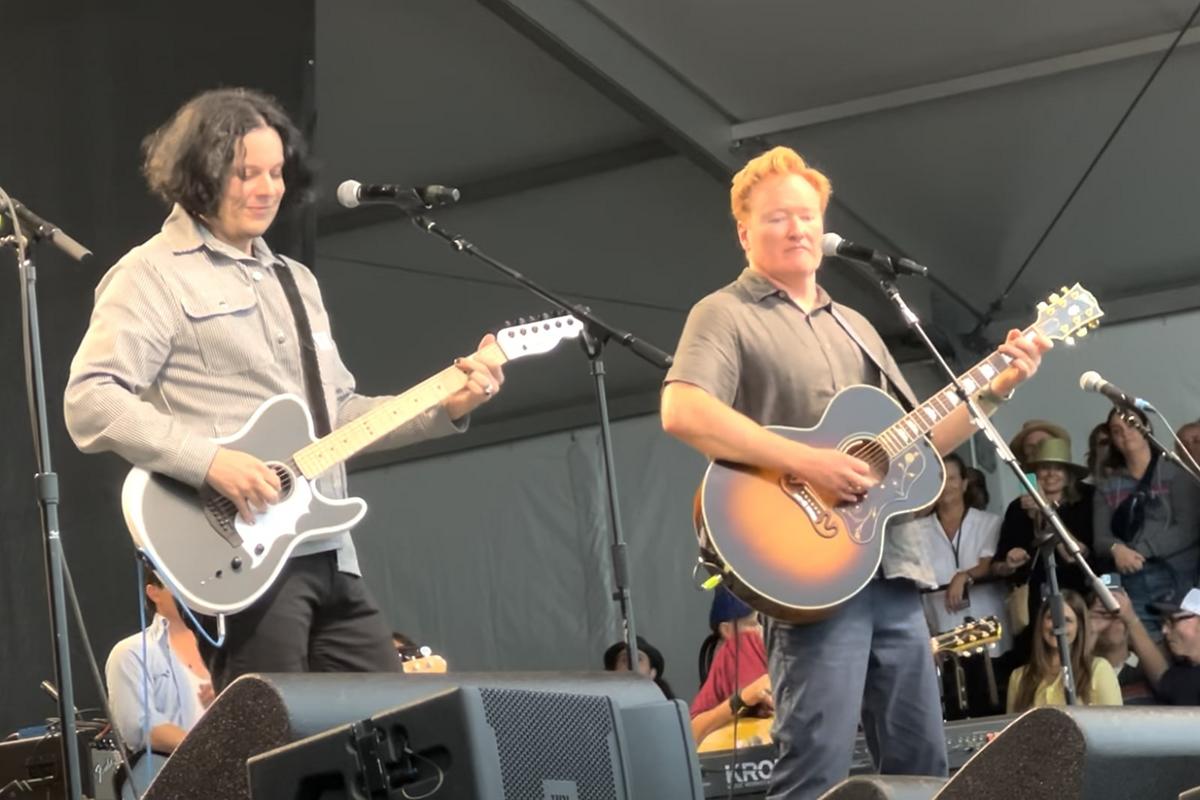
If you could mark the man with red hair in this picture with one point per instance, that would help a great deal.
(772, 348)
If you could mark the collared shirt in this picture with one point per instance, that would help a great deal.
(750, 346)
(975, 538)
(188, 337)
(174, 690)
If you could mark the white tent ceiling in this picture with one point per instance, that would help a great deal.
(590, 139)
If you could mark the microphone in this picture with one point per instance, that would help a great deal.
(834, 245)
(1091, 381)
(352, 194)
(35, 228)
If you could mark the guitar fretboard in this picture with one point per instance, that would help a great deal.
(377, 423)
(924, 417)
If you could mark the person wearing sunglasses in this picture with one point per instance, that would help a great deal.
(1175, 680)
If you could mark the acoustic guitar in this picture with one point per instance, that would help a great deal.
(795, 554)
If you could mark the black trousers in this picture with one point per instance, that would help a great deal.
(313, 619)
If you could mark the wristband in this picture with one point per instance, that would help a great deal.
(736, 704)
(990, 398)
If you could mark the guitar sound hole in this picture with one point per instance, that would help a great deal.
(287, 479)
(873, 453)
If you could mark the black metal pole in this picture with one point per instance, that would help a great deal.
(596, 334)
(46, 485)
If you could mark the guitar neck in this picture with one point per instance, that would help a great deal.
(366, 430)
(924, 417)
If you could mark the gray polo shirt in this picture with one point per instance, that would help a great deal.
(751, 347)
(187, 339)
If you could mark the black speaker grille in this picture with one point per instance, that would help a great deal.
(546, 736)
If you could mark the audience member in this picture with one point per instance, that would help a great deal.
(650, 663)
(1039, 682)
(1099, 443)
(737, 680)
(1189, 441)
(1033, 432)
(1176, 684)
(977, 494)
(1147, 517)
(1110, 640)
(1060, 482)
(960, 541)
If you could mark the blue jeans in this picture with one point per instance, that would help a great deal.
(869, 660)
(1155, 582)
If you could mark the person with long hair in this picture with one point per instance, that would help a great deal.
(960, 539)
(1061, 482)
(193, 330)
(1147, 519)
(1039, 682)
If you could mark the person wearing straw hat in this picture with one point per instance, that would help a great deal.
(1060, 480)
(1033, 432)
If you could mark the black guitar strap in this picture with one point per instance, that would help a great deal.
(907, 401)
(308, 350)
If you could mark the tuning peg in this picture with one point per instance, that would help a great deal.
(1094, 324)
(1041, 306)
(521, 320)
(1069, 341)
(1054, 298)
(507, 323)
(1064, 290)
(546, 315)
(1082, 332)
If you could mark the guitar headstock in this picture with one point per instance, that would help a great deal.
(1068, 314)
(969, 638)
(536, 334)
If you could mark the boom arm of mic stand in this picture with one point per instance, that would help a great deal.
(597, 328)
(982, 422)
(1133, 421)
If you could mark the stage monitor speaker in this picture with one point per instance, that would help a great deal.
(886, 787)
(492, 744)
(1097, 753)
(257, 713)
(474, 744)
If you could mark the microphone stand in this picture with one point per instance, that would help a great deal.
(1134, 421)
(46, 488)
(887, 284)
(596, 334)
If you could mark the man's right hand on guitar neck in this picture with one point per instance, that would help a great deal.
(248, 483)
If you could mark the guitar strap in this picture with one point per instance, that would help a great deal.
(308, 350)
(900, 390)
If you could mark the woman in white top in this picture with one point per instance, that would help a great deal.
(960, 541)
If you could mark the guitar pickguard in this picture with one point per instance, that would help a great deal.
(277, 521)
(862, 518)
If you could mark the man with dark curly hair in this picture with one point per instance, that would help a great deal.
(195, 328)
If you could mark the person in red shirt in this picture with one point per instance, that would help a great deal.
(737, 683)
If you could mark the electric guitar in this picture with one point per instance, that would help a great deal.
(219, 564)
(968, 639)
(794, 554)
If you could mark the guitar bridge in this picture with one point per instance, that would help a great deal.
(810, 504)
(221, 514)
